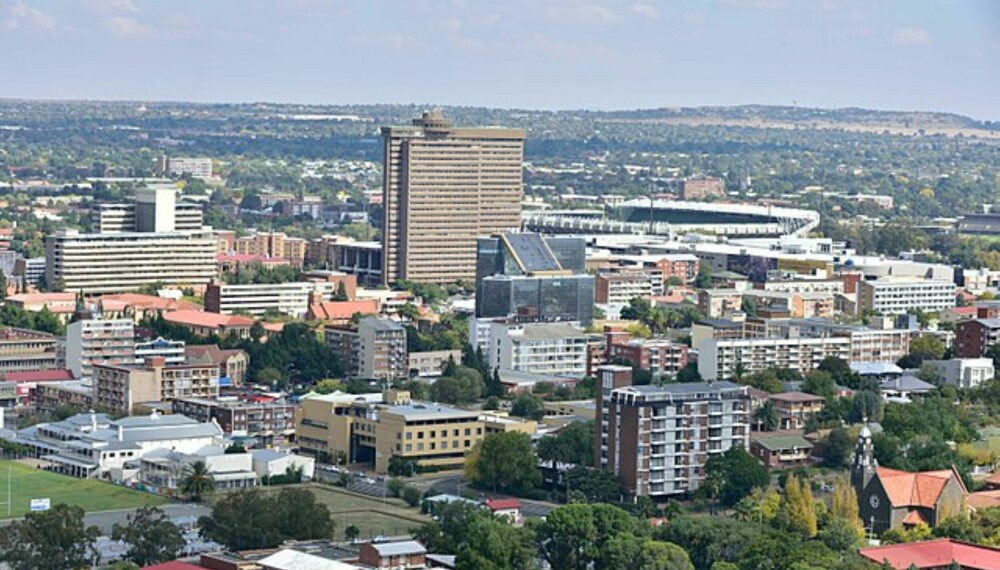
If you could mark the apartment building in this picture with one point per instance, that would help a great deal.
(657, 439)
(262, 420)
(556, 349)
(375, 427)
(682, 266)
(882, 341)
(534, 278)
(431, 362)
(974, 337)
(620, 288)
(374, 349)
(716, 303)
(895, 296)
(24, 349)
(152, 209)
(964, 372)
(794, 408)
(291, 298)
(171, 351)
(443, 187)
(832, 286)
(121, 388)
(198, 167)
(703, 188)
(123, 262)
(718, 358)
(232, 363)
(268, 245)
(99, 341)
(660, 356)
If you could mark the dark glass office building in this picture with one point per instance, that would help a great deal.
(532, 277)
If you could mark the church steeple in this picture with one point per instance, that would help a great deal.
(864, 464)
(80, 312)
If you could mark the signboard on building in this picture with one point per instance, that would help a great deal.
(38, 505)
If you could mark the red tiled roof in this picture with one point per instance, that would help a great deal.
(38, 376)
(208, 353)
(502, 504)
(914, 518)
(208, 320)
(907, 489)
(151, 302)
(984, 499)
(993, 479)
(935, 554)
(341, 310)
(796, 397)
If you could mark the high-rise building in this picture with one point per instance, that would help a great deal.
(374, 349)
(657, 439)
(152, 209)
(99, 341)
(533, 278)
(443, 187)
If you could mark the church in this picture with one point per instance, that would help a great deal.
(893, 499)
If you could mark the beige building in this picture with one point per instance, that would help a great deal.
(442, 188)
(374, 427)
(23, 349)
(120, 388)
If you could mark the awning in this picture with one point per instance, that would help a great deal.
(69, 461)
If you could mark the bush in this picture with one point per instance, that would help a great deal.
(412, 496)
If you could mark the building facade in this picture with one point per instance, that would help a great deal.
(895, 296)
(442, 188)
(556, 349)
(375, 349)
(291, 298)
(24, 349)
(121, 388)
(718, 358)
(99, 341)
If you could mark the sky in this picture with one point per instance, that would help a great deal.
(934, 55)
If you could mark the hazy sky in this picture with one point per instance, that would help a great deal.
(893, 54)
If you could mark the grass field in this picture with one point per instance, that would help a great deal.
(29, 483)
(370, 515)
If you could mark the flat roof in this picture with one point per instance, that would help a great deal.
(428, 411)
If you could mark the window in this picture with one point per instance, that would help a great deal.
(409, 447)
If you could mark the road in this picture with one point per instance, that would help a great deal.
(178, 512)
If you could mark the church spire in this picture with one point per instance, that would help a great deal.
(864, 463)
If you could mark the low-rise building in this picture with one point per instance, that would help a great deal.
(262, 420)
(408, 555)
(232, 362)
(794, 408)
(718, 359)
(78, 394)
(620, 288)
(292, 298)
(26, 350)
(430, 363)
(557, 349)
(781, 451)
(716, 303)
(894, 296)
(120, 388)
(964, 372)
(661, 357)
(162, 470)
(939, 554)
(274, 462)
(209, 324)
(973, 337)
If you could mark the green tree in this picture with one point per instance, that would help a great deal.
(411, 495)
(766, 416)
(819, 383)
(733, 475)
(196, 481)
(351, 532)
(594, 485)
(252, 520)
(835, 449)
(528, 406)
(575, 536)
(150, 535)
(3, 286)
(505, 462)
(57, 538)
(493, 545)
(625, 552)
(839, 535)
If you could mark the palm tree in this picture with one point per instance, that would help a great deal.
(550, 449)
(196, 481)
(766, 417)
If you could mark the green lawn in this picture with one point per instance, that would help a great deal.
(370, 515)
(29, 483)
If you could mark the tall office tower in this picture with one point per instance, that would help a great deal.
(443, 187)
(152, 209)
(533, 278)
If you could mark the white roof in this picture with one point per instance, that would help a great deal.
(295, 560)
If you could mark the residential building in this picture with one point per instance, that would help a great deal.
(892, 499)
(262, 420)
(172, 351)
(209, 324)
(620, 288)
(661, 357)
(964, 372)
(122, 262)
(657, 439)
(341, 312)
(78, 394)
(716, 303)
(682, 266)
(93, 341)
(121, 388)
(430, 363)
(198, 167)
(974, 337)
(91, 445)
(832, 286)
(374, 349)
(939, 554)
(444, 187)
(232, 362)
(24, 349)
(30, 270)
(781, 451)
(881, 341)
(557, 349)
(292, 298)
(794, 408)
(894, 296)
(533, 277)
(269, 245)
(393, 555)
(25, 382)
(717, 358)
(900, 388)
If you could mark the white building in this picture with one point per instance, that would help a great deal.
(718, 358)
(152, 209)
(164, 468)
(198, 167)
(895, 296)
(99, 341)
(558, 349)
(92, 445)
(964, 372)
(271, 463)
(291, 298)
(172, 351)
(124, 262)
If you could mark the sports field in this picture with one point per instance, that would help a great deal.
(369, 514)
(29, 483)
